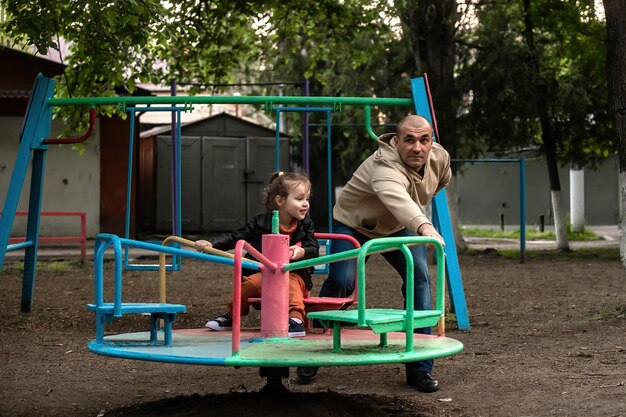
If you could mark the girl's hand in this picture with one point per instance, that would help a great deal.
(201, 244)
(295, 253)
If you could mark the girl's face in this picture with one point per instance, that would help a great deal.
(296, 205)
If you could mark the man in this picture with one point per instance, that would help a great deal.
(384, 198)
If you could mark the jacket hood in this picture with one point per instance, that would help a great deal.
(387, 154)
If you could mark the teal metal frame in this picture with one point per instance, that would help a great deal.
(329, 174)
(176, 184)
(441, 215)
(36, 127)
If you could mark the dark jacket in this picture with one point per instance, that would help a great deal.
(260, 225)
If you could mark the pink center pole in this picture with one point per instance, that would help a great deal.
(275, 287)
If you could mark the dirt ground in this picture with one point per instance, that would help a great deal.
(547, 338)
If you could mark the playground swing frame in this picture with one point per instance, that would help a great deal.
(37, 127)
(522, 193)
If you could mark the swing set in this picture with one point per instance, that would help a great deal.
(267, 348)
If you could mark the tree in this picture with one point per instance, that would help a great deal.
(349, 49)
(116, 44)
(503, 75)
(533, 76)
(616, 68)
(432, 26)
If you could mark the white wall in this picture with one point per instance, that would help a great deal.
(488, 189)
(71, 182)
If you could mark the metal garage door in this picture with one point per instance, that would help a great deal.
(222, 180)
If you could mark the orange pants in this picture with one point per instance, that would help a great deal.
(251, 287)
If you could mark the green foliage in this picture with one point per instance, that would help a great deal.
(531, 234)
(508, 84)
(348, 48)
(109, 44)
(609, 313)
(556, 255)
(56, 267)
(344, 48)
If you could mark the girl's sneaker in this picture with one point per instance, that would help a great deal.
(223, 322)
(296, 328)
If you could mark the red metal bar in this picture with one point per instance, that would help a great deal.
(432, 108)
(63, 141)
(240, 246)
(60, 239)
(236, 313)
(356, 244)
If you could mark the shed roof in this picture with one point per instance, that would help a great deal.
(220, 124)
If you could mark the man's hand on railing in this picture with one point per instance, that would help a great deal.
(429, 230)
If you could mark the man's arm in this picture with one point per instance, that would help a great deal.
(394, 195)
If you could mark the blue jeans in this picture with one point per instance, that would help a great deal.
(340, 280)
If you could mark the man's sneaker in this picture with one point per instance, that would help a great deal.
(223, 322)
(296, 328)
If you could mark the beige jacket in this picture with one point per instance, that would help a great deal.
(384, 195)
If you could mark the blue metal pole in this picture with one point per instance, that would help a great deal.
(32, 231)
(129, 176)
(178, 230)
(444, 223)
(36, 127)
(522, 209)
(13, 196)
(329, 172)
(277, 147)
(175, 174)
(305, 145)
(522, 193)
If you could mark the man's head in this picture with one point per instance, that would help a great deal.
(414, 139)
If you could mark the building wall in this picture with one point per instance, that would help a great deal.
(487, 190)
(71, 182)
(114, 176)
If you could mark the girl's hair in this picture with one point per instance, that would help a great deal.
(281, 183)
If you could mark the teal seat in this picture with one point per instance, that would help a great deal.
(158, 311)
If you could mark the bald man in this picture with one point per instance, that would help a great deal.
(385, 198)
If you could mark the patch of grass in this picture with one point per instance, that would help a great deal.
(450, 317)
(554, 254)
(531, 234)
(609, 314)
(56, 267)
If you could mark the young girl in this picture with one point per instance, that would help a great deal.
(288, 193)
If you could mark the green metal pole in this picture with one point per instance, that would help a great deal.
(268, 101)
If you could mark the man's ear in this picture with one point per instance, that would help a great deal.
(394, 140)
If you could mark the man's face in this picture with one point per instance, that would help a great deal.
(414, 141)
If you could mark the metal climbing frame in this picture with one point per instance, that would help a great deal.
(34, 144)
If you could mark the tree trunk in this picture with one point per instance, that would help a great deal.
(431, 29)
(430, 25)
(556, 197)
(453, 207)
(549, 143)
(615, 11)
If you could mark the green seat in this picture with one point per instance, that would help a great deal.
(380, 320)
